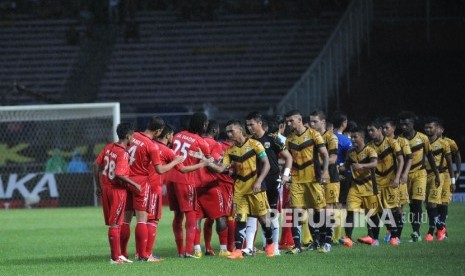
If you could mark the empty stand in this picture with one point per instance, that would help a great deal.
(236, 64)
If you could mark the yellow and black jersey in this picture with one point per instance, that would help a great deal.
(405, 148)
(331, 143)
(362, 180)
(303, 150)
(244, 160)
(440, 148)
(454, 149)
(387, 152)
(420, 147)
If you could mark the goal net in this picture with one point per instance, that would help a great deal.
(47, 152)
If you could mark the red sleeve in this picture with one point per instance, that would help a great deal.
(168, 155)
(216, 151)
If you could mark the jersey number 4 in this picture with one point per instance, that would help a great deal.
(132, 153)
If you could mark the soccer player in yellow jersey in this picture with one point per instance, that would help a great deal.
(449, 183)
(440, 150)
(389, 128)
(250, 163)
(331, 189)
(363, 192)
(306, 191)
(416, 183)
(388, 172)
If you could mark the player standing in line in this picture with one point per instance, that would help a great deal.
(339, 120)
(332, 189)
(449, 183)
(156, 181)
(212, 205)
(416, 184)
(363, 193)
(184, 185)
(143, 153)
(388, 173)
(389, 128)
(273, 179)
(440, 151)
(226, 182)
(250, 163)
(306, 189)
(306, 234)
(111, 171)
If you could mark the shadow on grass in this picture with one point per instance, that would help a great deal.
(31, 260)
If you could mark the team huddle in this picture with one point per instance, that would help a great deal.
(320, 172)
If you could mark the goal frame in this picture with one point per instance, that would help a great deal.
(57, 108)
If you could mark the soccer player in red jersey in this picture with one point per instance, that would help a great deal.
(226, 183)
(185, 200)
(212, 200)
(167, 155)
(111, 171)
(143, 153)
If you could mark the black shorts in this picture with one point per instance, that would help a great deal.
(272, 192)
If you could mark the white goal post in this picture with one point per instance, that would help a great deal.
(47, 151)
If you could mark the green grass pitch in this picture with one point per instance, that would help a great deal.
(73, 241)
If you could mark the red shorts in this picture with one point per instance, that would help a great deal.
(227, 191)
(155, 202)
(211, 203)
(113, 203)
(139, 202)
(182, 197)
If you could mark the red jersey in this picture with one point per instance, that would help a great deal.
(166, 156)
(183, 142)
(115, 161)
(142, 151)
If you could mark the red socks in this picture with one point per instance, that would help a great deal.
(231, 233)
(114, 239)
(124, 238)
(191, 218)
(141, 239)
(151, 235)
(177, 230)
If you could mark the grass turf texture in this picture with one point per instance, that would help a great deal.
(73, 241)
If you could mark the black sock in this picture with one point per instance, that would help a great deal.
(349, 224)
(296, 229)
(329, 231)
(443, 211)
(432, 219)
(267, 231)
(240, 234)
(397, 221)
(417, 211)
(400, 224)
(375, 227)
(313, 221)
